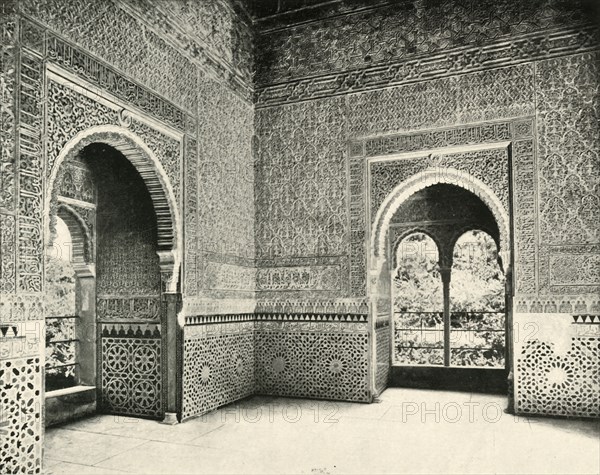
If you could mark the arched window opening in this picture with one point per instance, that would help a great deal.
(418, 302)
(61, 341)
(477, 303)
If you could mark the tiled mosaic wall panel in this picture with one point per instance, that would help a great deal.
(218, 364)
(21, 419)
(325, 359)
(131, 371)
(299, 355)
(383, 357)
(557, 364)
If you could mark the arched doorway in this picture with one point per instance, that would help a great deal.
(442, 207)
(121, 196)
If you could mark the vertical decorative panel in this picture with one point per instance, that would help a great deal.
(30, 170)
(131, 375)
(383, 336)
(524, 221)
(7, 256)
(191, 217)
(8, 29)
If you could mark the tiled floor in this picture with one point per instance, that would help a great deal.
(409, 431)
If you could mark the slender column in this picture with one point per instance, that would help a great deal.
(171, 334)
(446, 273)
(509, 339)
(172, 341)
(85, 329)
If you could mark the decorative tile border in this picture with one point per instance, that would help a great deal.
(22, 339)
(18, 308)
(311, 318)
(577, 303)
(586, 319)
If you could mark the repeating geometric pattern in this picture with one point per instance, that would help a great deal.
(131, 378)
(553, 384)
(216, 26)
(301, 166)
(21, 418)
(8, 30)
(569, 144)
(558, 304)
(396, 33)
(469, 98)
(30, 247)
(383, 337)
(225, 171)
(125, 43)
(218, 366)
(489, 166)
(7, 256)
(417, 42)
(315, 364)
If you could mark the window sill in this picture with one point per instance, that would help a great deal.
(70, 391)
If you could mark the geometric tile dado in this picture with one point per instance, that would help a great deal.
(21, 418)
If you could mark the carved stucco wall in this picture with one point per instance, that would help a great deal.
(361, 74)
(225, 248)
(335, 91)
(86, 64)
(21, 302)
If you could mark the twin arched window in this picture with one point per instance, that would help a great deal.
(464, 329)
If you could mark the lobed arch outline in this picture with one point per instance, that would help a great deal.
(81, 236)
(424, 179)
(414, 230)
(133, 148)
(478, 227)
